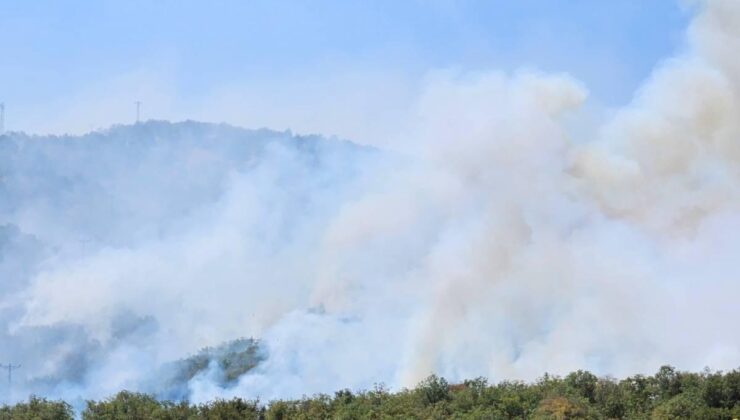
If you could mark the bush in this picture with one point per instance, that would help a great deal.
(561, 408)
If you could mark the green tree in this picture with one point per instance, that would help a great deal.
(668, 381)
(584, 383)
(682, 407)
(37, 409)
(125, 406)
(433, 389)
(236, 408)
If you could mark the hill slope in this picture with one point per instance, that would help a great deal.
(206, 204)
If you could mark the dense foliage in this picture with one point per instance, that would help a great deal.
(231, 360)
(669, 394)
(37, 409)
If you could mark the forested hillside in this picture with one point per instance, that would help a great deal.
(669, 394)
(155, 240)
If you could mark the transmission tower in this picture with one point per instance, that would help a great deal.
(2, 117)
(138, 111)
(10, 369)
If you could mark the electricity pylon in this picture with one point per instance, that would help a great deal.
(10, 369)
(138, 111)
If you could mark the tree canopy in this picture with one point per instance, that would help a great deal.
(669, 394)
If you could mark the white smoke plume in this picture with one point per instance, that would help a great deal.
(489, 243)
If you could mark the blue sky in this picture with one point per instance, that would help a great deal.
(72, 65)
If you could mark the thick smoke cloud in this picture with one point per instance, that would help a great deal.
(127, 249)
(490, 243)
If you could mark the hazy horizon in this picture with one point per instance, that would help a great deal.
(351, 69)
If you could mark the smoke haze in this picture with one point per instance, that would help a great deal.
(500, 237)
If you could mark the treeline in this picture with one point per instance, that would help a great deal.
(669, 394)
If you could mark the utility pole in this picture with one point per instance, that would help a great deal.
(138, 111)
(2, 117)
(10, 369)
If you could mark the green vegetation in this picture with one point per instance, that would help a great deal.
(232, 360)
(37, 409)
(669, 394)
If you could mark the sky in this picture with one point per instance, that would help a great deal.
(346, 68)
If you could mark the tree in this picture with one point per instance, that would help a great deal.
(682, 407)
(584, 383)
(37, 409)
(433, 389)
(668, 382)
